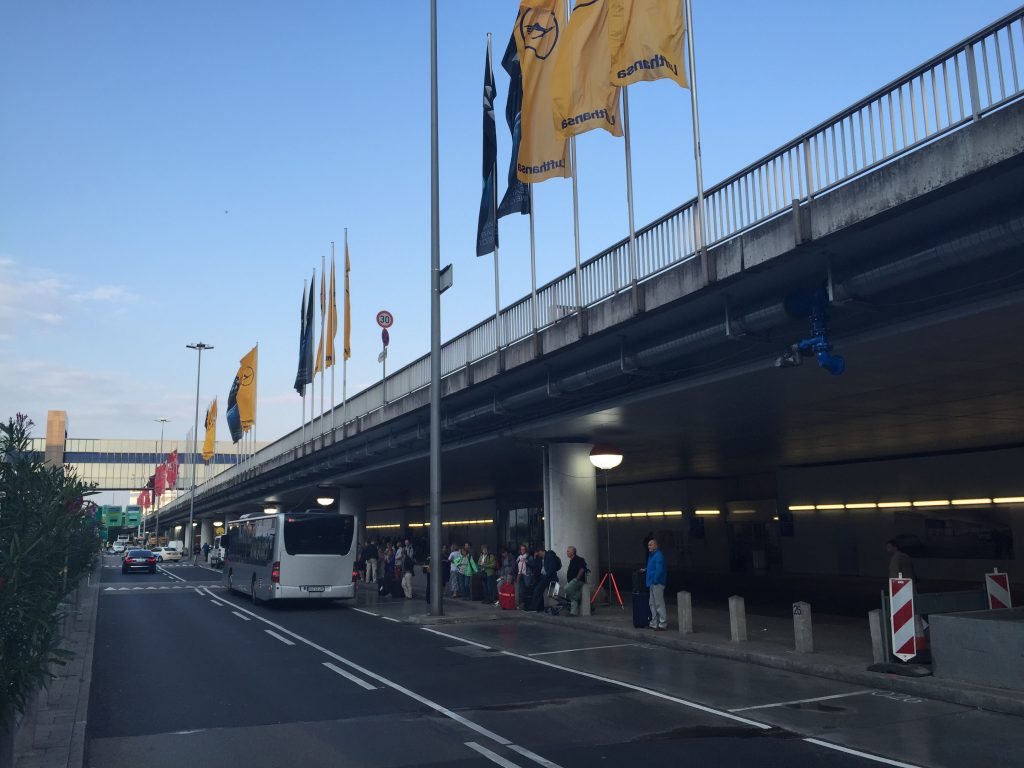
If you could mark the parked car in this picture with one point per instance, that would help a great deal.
(166, 554)
(139, 560)
(118, 547)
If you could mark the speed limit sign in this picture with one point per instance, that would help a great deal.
(385, 319)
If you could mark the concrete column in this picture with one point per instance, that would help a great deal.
(737, 619)
(684, 611)
(571, 517)
(350, 501)
(803, 638)
(205, 532)
(879, 649)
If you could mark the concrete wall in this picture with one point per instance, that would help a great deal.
(824, 541)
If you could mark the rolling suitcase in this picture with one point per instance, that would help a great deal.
(507, 596)
(641, 610)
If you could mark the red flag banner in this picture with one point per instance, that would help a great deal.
(160, 483)
(143, 500)
(171, 475)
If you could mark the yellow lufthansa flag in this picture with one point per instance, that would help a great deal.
(646, 40)
(319, 367)
(543, 154)
(210, 441)
(246, 397)
(582, 97)
(348, 307)
(332, 319)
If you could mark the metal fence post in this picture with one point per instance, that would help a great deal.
(808, 177)
(972, 82)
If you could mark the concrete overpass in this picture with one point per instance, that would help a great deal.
(906, 210)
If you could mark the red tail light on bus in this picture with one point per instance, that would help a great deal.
(275, 573)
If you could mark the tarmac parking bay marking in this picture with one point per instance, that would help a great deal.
(800, 701)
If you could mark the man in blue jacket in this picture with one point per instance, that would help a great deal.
(656, 584)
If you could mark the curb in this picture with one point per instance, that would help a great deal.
(76, 751)
(962, 694)
(931, 688)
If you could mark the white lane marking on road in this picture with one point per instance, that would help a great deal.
(591, 648)
(241, 616)
(456, 638)
(186, 733)
(168, 574)
(533, 756)
(198, 591)
(282, 638)
(368, 613)
(492, 756)
(388, 618)
(379, 678)
(349, 676)
(857, 753)
(801, 701)
(649, 692)
(218, 603)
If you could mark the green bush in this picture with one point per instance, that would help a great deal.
(47, 543)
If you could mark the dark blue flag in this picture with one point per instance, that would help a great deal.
(487, 225)
(234, 418)
(517, 197)
(304, 373)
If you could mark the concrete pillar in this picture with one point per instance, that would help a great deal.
(879, 649)
(803, 638)
(737, 619)
(571, 517)
(205, 532)
(350, 501)
(684, 612)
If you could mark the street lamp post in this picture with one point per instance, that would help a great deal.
(199, 347)
(160, 453)
(605, 458)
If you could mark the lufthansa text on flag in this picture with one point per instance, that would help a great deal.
(582, 97)
(646, 40)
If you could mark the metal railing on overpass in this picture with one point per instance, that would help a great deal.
(962, 84)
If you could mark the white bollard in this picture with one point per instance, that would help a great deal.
(737, 619)
(585, 600)
(684, 612)
(802, 633)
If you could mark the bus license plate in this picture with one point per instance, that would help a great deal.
(314, 588)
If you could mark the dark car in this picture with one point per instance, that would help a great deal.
(138, 560)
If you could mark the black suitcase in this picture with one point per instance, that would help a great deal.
(395, 587)
(638, 582)
(641, 610)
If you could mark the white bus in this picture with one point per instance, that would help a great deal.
(305, 554)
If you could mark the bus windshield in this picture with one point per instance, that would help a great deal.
(319, 535)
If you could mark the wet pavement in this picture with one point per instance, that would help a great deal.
(366, 682)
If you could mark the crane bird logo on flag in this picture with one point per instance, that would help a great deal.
(901, 606)
(538, 29)
(246, 376)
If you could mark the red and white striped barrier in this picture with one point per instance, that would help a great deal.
(901, 607)
(998, 587)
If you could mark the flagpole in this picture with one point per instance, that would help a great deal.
(494, 211)
(699, 224)
(575, 207)
(333, 291)
(344, 357)
(533, 262)
(323, 336)
(629, 190)
(303, 421)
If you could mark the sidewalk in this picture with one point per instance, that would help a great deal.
(51, 733)
(842, 644)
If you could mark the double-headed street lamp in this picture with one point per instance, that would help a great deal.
(199, 347)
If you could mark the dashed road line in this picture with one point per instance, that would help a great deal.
(858, 753)
(168, 574)
(456, 637)
(492, 756)
(800, 701)
(388, 618)
(533, 756)
(348, 675)
(368, 613)
(218, 603)
(276, 636)
(242, 616)
(590, 648)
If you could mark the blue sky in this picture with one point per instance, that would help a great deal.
(171, 171)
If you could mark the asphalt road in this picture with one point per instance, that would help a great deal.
(185, 673)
